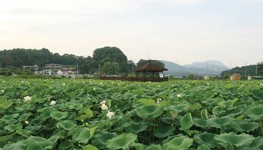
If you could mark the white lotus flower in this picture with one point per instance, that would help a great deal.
(63, 84)
(261, 84)
(179, 95)
(110, 114)
(103, 102)
(52, 103)
(104, 107)
(158, 101)
(27, 98)
(26, 122)
(2, 91)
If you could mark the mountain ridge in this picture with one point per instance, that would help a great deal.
(208, 67)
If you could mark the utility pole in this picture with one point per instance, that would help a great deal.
(246, 70)
(256, 70)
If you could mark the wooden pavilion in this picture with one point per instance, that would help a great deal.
(150, 72)
(146, 72)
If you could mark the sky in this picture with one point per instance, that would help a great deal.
(182, 31)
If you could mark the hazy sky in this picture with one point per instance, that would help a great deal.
(181, 31)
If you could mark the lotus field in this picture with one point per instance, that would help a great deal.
(83, 114)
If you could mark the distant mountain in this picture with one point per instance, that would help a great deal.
(209, 67)
(175, 69)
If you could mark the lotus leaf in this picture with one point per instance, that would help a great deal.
(4, 104)
(205, 139)
(67, 125)
(204, 114)
(220, 122)
(246, 126)
(257, 94)
(257, 144)
(181, 142)
(15, 146)
(154, 147)
(58, 115)
(255, 112)
(203, 147)
(234, 139)
(82, 135)
(149, 111)
(186, 121)
(163, 130)
(35, 142)
(122, 141)
(136, 127)
(89, 147)
(13, 127)
(100, 139)
(179, 107)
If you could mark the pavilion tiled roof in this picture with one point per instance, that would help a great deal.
(150, 67)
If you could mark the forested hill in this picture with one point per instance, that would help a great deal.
(251, 70)
(21, 57)
(109, 60)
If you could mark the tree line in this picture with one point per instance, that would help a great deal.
(105, 60)
(244, 71)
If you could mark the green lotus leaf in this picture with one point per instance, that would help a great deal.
(246, 126)
(257, 94)
(84, 135)
(154, 147)
(89, 147)
(67, 125)
(4, 104)
(195, 106)
(7, 118)
(200, 122)
(217, 110)
(15, 146)
(186, 121)
(147, 102)
(205, 139)
(13, 127)
(181, 142)
(58, 115)
(204, 114)
(203, 147)
(257, 144)
(100, 139)
(35, 142)
(136, 127)
(138, 146)
(255, 112)
(163, 130)
(88, 113)
(220, 122)
(179, 107)
(234, 139)
(149, 111)
(24, 132)
(122, 141)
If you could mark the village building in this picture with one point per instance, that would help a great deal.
(235, 77)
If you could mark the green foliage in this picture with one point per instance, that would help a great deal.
(110, 54)
(170, 115)
(156, 62)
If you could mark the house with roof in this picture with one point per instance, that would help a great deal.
(147, 72)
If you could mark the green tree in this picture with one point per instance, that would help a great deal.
(260, 69)
(156, 62)
(110, 54)
(110, 68)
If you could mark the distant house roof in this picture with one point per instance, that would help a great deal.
(150, 67)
